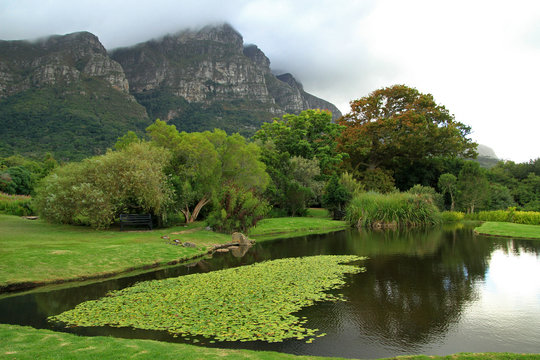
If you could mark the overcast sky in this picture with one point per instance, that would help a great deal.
(480, 59)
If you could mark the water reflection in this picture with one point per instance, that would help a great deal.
(430, 291)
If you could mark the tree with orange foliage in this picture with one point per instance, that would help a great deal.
(397, 125)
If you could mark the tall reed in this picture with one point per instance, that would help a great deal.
(392, 210)
(20, 205)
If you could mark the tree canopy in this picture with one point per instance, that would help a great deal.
(399, 125)
(311, 134)
(202, 162)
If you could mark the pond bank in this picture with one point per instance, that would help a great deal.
(509, 230)
(35, 253)
(21, 342)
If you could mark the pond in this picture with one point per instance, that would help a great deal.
(427, 291)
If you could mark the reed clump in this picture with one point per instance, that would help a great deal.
(18, 205)
(374, 210)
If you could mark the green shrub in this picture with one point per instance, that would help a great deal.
(396, 209)
(448, 216)
(95, 191)
(510, 215)
(437, 198)
(237, 209)
(527, 217)
(19, 205)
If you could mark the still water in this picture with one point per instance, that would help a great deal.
(431, 291)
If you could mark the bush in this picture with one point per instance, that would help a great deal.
(510, 215)
(437, 198)
(448, 216)
(237, 209)
(95, 191)
(18, 205)
(397, 209)
(335, 198)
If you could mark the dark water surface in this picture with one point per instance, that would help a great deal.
(433, 292)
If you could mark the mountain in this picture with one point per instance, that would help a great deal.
(68, 95)
(486, 156)
(206, 79)
(63, 94)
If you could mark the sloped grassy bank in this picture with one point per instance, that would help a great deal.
(254, 302)
(20, 342)
(35, 253)
(511, 230)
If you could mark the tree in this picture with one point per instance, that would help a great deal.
(528, 192)
(239, 161)
(472, 186)
(311, 134)
(447, 185)
(16, 180)
(399, 125)
(500, 197)
(126, 140)
(236, 209)
(95, 191)
(378, 180)
(335, 197)
(202, 162)
(352, 185)
(194, 168)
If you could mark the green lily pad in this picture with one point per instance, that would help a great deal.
(247, 303)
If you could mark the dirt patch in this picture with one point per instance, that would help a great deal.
(186, 231)
(61, 252)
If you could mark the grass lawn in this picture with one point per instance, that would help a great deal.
(34, 251)
(17, 342)
(267, 228)
(509, 230)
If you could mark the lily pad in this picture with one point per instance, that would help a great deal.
(247, 303)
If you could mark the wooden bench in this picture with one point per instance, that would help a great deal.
(135, 220)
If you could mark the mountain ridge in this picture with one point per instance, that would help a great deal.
(198, 80)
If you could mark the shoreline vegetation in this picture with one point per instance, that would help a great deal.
(35, 253)
(509, 230)
(32, 248)
(23, 342)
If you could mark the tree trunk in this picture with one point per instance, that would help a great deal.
(192, 216)
(198, 207)
(187, 215)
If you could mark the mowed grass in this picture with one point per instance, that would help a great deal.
(509, 230)
(35, 251)
(17, 342)
(294, 226)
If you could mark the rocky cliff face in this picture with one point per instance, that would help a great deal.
(211, 66)
(69, 88)
(204, 66)
(63, 94)
(58, 60)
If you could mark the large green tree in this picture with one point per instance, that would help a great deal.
(448, 185)
(194, 169)
(397, 127)
(472, 186)
(311, 134)
(300, 153)
(202, 162)
(96, 190)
